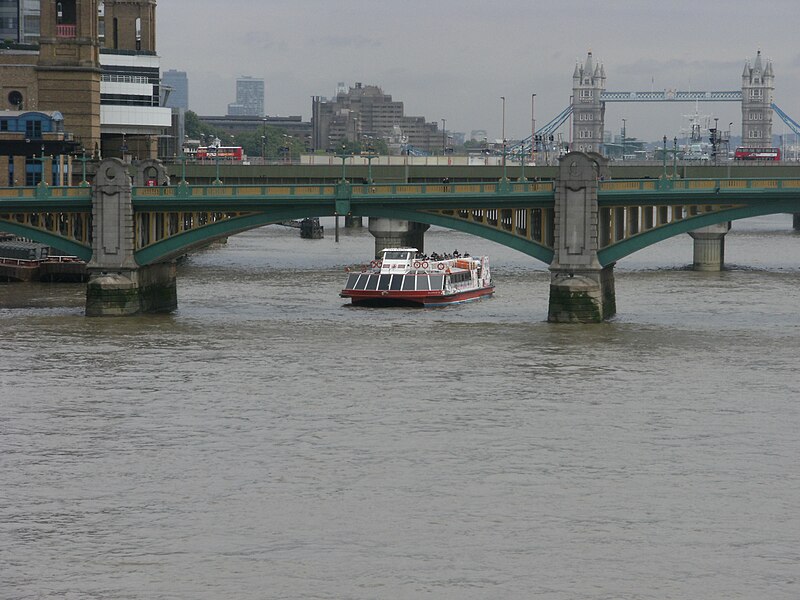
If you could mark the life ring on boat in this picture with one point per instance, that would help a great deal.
(440, 266)
(424, 264)
(416, 264)
(373, 264)
(379, 263)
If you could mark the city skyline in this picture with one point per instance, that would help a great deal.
(455, 60)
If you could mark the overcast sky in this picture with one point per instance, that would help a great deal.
(454, 59)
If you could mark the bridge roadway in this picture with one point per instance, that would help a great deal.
(153, 225)
(422, 170)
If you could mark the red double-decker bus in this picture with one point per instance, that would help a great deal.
(222, 152)
(757, 154)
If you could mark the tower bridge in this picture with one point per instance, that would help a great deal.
(579, 224)
(589, 97)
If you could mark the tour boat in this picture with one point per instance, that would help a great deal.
(404, 278)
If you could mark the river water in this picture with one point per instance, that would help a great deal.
(268, 441)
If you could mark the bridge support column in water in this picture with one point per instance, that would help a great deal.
(709, 247)
(796, 221)
(581, 289)
(118, 286)
(396, 233)
(351, 222)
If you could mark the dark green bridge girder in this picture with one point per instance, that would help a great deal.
(179, 244)
(387, 201)
(619, 250)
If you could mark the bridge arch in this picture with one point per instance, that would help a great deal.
(620, 250)
(187, 241)
(64, 244)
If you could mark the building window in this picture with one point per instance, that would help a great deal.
(585, 134)
(587, 93)
(33, 130)
(3, 125)
(756, 93)
(15, 99)
(755, 133)
(33, 173)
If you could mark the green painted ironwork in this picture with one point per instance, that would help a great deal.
(704, 202)
(71, 247)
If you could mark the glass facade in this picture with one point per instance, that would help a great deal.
(9, 20)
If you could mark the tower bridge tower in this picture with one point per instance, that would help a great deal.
(588, 84)
(758, 92)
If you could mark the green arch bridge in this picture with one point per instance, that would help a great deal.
(167, 221)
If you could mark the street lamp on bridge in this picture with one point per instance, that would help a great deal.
(624, 134)
(503, 131)
(533, 129)
(84, 183)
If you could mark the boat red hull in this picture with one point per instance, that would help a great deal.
(409, 298)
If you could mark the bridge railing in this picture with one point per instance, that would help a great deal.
(327, 190)
(643, 185)
(52, 191)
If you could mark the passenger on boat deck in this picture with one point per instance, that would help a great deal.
(455, 253)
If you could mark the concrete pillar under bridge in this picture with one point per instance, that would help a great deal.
(709, 247)
(118, 286)
(396, 233)
(581, 289)
(351, 222)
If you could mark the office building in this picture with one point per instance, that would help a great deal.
(364, 112)
(249, 98)
(176, 85)
(19, 21)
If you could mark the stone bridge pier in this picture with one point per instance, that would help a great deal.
(581, 289)
(118, 286)
(396, 233)
(709, 247)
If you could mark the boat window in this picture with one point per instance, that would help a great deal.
(384, 282)
(351, 281)
(422, 282)
(397, 282)
(372, 282)
(396, 255)
(437, 282)
(408, 282)
(362, 281)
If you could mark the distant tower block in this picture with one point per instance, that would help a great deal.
(588, 111)
(758, 91)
